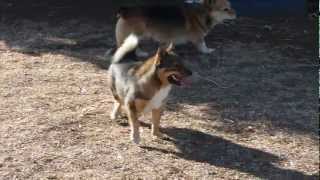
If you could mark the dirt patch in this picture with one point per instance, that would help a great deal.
(55, 104)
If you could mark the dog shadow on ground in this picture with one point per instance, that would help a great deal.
(201, 147)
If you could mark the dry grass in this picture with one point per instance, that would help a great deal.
(54, 107)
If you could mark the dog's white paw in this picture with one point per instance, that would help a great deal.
(113, 116)
(135, 138)
(208, 50)
(157, 135)
(141, 53)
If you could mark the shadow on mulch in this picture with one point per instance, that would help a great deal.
(201, 147)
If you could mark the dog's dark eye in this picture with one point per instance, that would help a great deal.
(226, 9)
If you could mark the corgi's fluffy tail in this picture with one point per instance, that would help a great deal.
(127, 46)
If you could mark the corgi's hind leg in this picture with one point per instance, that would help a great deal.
(123, 30)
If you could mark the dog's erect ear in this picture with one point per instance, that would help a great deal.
(170, 47)
(161, 52)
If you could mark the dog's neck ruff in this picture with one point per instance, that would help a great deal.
(158, 99)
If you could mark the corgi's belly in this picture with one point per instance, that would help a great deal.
(176, 38)
(157, 100)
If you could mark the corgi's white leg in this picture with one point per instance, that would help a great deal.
(202, 47)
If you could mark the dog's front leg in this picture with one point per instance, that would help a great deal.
(116, 109)
(202, 47)
(156, 115)
(133, 121)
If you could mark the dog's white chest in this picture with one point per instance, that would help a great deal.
(157, 100)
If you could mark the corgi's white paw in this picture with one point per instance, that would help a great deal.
(141, 53)
(207, 50)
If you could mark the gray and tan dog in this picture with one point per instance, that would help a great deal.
(143, 86)
(177, 24)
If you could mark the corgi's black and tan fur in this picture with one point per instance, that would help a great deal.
(143, 86)
(177, 24)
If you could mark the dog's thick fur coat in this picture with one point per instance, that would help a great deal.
(143, 86)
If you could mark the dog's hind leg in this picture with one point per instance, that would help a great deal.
(133, 120)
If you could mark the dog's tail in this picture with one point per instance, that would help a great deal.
(127, 46)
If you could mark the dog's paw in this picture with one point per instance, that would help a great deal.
(208, 50)
(157, 135)
(141, 53)
(113, 116)
(135, 138)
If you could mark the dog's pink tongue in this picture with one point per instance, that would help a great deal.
(186, 82)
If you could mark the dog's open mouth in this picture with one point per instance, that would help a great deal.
(179, 80)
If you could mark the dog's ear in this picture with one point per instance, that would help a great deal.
(161, 52)
(170, 47)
